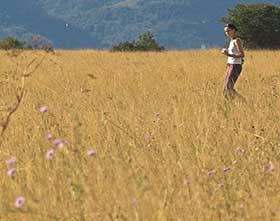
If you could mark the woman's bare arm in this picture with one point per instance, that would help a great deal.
(240, 52)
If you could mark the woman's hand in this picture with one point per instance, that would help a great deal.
(224, 51)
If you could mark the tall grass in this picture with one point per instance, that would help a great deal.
(167, 145)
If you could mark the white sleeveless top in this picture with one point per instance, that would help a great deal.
(232, 49)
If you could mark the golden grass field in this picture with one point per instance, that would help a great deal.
(168, 146)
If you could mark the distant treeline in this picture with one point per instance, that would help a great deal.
(145, 42)
(258, 26)
(34, 42)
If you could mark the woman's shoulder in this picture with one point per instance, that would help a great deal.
(237, 39)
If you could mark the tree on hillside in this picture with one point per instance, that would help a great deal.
(38, 42)
(145, 42)
(258, 24)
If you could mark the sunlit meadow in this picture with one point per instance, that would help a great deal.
(94, 135)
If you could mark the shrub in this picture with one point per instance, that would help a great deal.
(124, 46)
(145, 42)
(11, 43)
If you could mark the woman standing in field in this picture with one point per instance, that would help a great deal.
(235, 55)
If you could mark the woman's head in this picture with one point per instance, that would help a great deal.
(230, 30)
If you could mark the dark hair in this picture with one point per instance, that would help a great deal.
(231, 26)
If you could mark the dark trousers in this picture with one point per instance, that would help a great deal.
(232, 73)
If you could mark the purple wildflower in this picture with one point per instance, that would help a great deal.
(11, 161)
(19, 201)
(226, 169)
(211, 172)
(221, 185)
(239, 150)
(134, 202)
(158, 115)
(57, 142)
(43, 109)
(49, 136)
(91, 153)
(50, 154)
(186, 181)
(11, 172)
(60, 145)
(269, 168)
